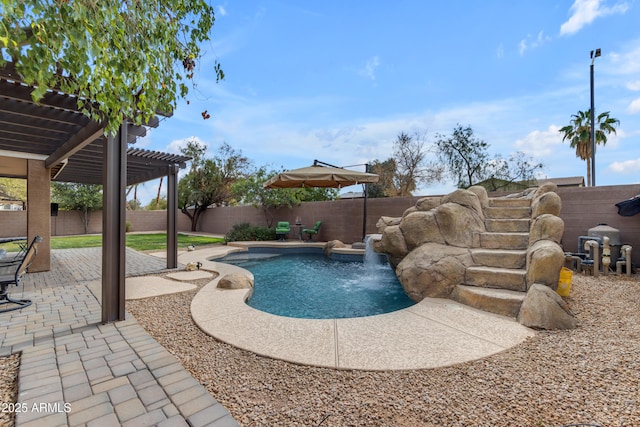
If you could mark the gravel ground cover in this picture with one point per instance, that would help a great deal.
(589, 375)
(9, 366)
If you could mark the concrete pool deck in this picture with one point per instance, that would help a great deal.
(429, 334)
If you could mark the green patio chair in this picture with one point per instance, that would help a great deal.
(311, 231)
(282, 230)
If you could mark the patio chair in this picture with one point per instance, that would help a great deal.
(311, 231)
(282, 230)
(11, 273)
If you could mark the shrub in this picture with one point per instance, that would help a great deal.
(245, 232)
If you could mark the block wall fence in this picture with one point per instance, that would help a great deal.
(582, 208)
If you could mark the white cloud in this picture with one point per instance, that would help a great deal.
(532, 43)
(369, 70)
(222, 11)
(625, 167)
(500, 51)
(540, 143)
(634, 86)
(634, 107)
(585, 12)
(627, 62)
(175, 145)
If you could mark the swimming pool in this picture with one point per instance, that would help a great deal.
(311, 286)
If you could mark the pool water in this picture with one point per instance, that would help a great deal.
(315, 287)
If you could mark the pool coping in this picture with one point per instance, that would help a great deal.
(432, 333)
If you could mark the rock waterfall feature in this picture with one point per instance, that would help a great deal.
(483, 252)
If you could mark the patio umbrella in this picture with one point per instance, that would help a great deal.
(320, 176)
(328, 176)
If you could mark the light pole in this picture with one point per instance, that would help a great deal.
(594, 55)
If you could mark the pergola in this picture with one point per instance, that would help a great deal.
(54, 140)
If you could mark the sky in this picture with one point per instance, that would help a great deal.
(338, 81)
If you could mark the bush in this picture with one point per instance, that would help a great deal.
(246, 232)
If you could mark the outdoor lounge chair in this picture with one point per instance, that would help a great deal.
(311, 231)
(11, 273)
(282, 230)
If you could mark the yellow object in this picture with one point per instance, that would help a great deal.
(564, 283)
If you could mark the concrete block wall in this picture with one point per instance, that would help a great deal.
(582, 209)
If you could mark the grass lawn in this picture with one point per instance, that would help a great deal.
(139, 242)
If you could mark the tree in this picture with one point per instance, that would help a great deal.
(579, 135)
(408, 168)
(468, 162)
(157, 204)
(385, 186)
(83, 198)
(412, 167)
(121, 58)
(250, 190)
(209, 181)
(465, 156)
(15, 188)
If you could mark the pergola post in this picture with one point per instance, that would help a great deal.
(114, 181)
(172, 223)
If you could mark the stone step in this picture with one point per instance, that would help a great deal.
(498, 301)
(501, 201)
(507, 225)
(501, 258)
(502, 212)
(512, 241)
(496, 278)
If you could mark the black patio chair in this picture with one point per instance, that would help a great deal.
(11, 273)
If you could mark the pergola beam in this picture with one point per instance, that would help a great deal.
(76, 143)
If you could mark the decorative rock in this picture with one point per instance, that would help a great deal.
(428, 203)
(546, 227)
(543, 308)
(549, 187)
(392, 242)
(420, 227)
(329, 246)
(544, 261)
(386, 221)
(547, 203)
(466, 198)
(409, 210)
(458, 224)
(235, 281)
(481, 192)
(433, 270)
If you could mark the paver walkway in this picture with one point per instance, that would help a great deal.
(76, 371)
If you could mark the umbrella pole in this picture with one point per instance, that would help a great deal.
(364, 213)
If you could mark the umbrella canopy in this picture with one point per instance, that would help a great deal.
(320, 176)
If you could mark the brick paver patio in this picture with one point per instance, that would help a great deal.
(76, 371)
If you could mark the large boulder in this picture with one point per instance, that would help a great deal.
(549, 187)
(410, 210)
(547, 203)
(433, 270)
(428, 203)
(546, 227)
(331, 245)
(235, 281)
(458, 224)
(543, 308)
(386, 221)
(544, 262)
(392, 242)
(466, 198)
(419, 228)
(481, 192)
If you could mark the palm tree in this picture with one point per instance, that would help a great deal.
(579, 134)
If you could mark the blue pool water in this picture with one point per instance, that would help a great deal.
(314, 287)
